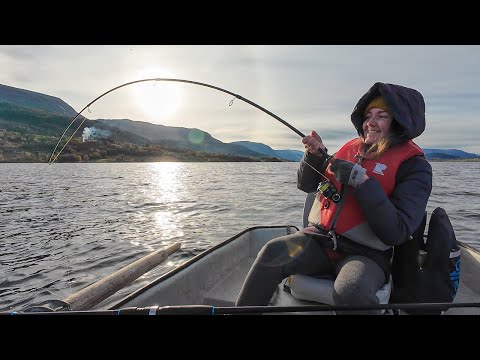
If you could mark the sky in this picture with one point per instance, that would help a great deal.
(310, 87)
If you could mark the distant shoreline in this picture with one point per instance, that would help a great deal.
(455, 160)
(104, 161)
(144, 161)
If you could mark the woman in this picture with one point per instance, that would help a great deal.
(372, 195)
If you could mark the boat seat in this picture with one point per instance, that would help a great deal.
(320, 288)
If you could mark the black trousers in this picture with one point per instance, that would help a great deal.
(357, 278)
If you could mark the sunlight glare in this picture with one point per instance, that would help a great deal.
(157, 99)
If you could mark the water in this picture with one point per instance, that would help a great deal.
(65, 226)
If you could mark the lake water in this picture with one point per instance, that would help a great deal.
(65, 226)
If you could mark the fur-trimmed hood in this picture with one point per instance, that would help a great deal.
(407, 106)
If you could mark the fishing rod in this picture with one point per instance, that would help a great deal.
(53, 158)
(244, 310)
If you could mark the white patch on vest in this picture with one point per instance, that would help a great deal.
(378, 169)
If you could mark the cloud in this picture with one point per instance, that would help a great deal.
(309, 86)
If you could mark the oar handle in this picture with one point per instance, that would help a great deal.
(92, 295)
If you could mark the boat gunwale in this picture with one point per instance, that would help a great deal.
(469, 247)
(208, 251)
(191, 261)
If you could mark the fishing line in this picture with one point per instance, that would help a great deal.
(306, 162)
(328, 188)
(50, 285)
(53, 157)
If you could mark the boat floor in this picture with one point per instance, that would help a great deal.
(215, 277)
(229, 289)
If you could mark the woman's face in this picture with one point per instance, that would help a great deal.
(376, 125)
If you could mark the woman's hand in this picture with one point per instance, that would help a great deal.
(313, 142)
(348, 173)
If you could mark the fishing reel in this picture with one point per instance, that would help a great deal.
(327, 189)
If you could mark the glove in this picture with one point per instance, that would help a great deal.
(348, 173)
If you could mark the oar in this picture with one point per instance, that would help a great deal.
(93, 294)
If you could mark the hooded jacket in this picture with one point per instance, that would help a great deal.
(393, 219)
(407, 106)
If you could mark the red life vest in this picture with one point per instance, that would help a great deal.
(350, 221)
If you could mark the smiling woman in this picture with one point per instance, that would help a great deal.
(158, 100)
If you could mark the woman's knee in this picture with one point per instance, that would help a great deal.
(273, 252)
(358, 281)
(282, 250)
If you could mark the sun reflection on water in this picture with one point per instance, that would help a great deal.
(167, 180)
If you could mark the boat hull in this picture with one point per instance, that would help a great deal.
(215, 277)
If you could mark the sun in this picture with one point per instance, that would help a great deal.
(159, 100)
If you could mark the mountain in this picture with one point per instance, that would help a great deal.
(36, 109)
(179, 137)
(448, 154)
(257, 147)
(440, 156)
(31, 124)
(296, 155)
(35, 101)
(290, 155)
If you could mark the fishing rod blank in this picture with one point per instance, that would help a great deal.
(53, 158)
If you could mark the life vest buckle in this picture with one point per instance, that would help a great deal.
(333, 236)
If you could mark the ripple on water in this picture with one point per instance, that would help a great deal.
(66, 226)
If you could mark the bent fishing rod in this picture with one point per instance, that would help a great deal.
(53, 157)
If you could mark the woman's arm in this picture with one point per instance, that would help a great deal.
(307, 178)
(394, 220)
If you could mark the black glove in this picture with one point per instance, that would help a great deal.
(348, 173)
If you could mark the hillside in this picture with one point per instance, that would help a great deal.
(31, 135)
(290, 155)
(31, 124)
(36, 101)
(448, 154)
(179, 137)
